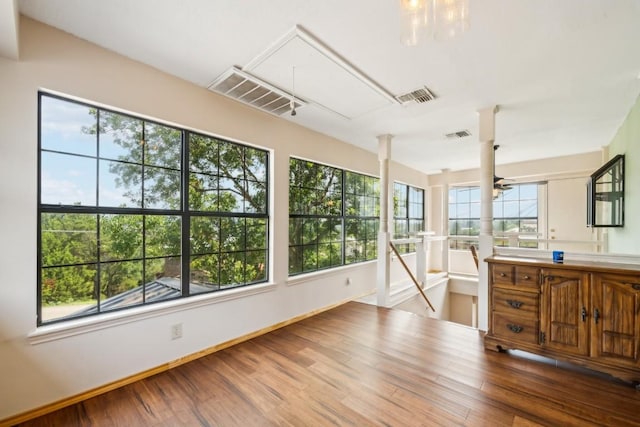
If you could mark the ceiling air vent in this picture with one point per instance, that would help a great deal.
(250, 90)
(420, 96)
(459, 134)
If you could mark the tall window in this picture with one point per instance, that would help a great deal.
(464, 215)
(515, 210)
(333, 216)
(134, 212)
(408, 212)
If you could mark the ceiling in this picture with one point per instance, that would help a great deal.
(564, 73)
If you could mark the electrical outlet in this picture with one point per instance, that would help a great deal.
(176, 331)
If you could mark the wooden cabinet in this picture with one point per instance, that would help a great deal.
(585, 313)
(516, 303)
(615, 333)
(564, 310)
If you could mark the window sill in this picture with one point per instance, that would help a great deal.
(308, 277)
(74, 327)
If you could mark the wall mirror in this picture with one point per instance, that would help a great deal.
(605, 195)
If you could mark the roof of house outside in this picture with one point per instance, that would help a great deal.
(161, 289)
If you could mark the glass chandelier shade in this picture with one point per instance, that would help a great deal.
(432, 19)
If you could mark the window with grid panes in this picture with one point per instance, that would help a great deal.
(515, 210)
(408, 213)
(133, 212)
(333, 216)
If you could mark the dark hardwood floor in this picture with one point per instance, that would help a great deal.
(361, 365)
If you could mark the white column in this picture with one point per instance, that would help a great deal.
(422, 259)
(383, 281)
(486, 133)
(444, 230)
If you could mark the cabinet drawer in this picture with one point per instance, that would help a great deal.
(516, 303)
(516, 328)
(502, 274)
(527, 277)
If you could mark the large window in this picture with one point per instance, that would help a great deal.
(134, 212)
(515, 211)
(408, 213)
(333, 216)
(464, 215)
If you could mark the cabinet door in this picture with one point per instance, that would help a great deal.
(615, 319)
(564, 301)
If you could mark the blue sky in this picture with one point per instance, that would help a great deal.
(69, 179)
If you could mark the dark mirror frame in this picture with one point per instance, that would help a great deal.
(605, 195)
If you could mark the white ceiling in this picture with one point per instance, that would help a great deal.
(564, 73)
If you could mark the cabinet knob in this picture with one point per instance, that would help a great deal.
(526, 277)
(514, 328)
(514, 303)
(502, 275)
(635, 286)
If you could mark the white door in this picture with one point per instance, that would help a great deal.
(567, 216)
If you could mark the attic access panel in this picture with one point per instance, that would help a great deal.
(605, 195)
(322, 77)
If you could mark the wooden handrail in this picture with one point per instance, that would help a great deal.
(415, 281)
(474, 254)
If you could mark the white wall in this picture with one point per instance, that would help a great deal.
(37, 374)
(567, 216)
(461, 308)
(627, 141)
(529, 171)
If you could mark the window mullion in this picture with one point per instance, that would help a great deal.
(97, 282)
(343, 221)
(185, 247)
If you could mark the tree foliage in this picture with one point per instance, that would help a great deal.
(139, 238)
(333, 216)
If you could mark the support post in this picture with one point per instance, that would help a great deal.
(487, 159)
(444, 230)
(422, 259)
(383, 282)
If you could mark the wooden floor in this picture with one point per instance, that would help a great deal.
(361, 365)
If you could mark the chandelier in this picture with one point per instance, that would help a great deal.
(437, 19)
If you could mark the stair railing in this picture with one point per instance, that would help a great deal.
(413, 278)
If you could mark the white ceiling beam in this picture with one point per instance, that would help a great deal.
(9, 29)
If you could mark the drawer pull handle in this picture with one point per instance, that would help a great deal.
(514, 303)
(515, 328)
(502, 275)
(526, 277)
(635, 286)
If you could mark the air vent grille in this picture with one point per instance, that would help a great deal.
(250, 90)
(419, 96)
(459, 134)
